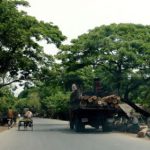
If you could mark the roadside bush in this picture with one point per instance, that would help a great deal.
(56, 105)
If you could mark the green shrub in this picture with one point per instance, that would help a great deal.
(57, 105)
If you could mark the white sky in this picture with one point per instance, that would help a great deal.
(75, 17)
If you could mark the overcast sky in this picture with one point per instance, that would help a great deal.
(75, 17)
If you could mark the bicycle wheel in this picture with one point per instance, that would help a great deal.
(9, 123)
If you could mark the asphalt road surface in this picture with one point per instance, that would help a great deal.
(55, 135)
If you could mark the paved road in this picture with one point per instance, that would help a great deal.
(55, 135)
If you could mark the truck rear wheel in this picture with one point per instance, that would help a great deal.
(71, 124)
(106, 126)
(79, 126)
(97, 127)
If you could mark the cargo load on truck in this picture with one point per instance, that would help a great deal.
(95, 101)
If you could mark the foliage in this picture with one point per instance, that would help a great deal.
(118, 53)
(21, 56)
(7, 99)
(29, 98)
(20, 105)
(56, 104)
(83, 78)
(144, 96)
(46, 101)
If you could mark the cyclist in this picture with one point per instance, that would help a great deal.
(28, 116)
(10, 116)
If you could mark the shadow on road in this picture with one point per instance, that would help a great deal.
(61, 128)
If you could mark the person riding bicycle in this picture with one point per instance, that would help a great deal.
(28, 116)
(10, 116)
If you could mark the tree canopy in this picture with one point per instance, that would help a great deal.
(21, 55)
(118, 53)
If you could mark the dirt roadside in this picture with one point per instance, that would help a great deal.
(3, 128)
(133, 135)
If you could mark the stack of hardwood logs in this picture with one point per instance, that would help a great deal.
(111, 100)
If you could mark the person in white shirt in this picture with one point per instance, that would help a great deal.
(28, 114)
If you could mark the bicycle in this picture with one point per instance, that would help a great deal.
(10, 123)
(26, 122)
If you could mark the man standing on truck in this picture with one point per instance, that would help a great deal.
(75, 95)
(74, 103)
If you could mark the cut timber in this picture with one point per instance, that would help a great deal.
(111, 101)
(126, 108)
(142, 133)
(139, 109)
(148, 133)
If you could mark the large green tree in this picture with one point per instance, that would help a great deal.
(118, 53)
(7, 99)
(21, 56)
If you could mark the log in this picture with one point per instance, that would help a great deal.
(142, 133)
(111, 100)
(148, 133)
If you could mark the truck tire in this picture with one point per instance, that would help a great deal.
(71, 124)
(106, 127)
(96, 127)
(79, 126)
